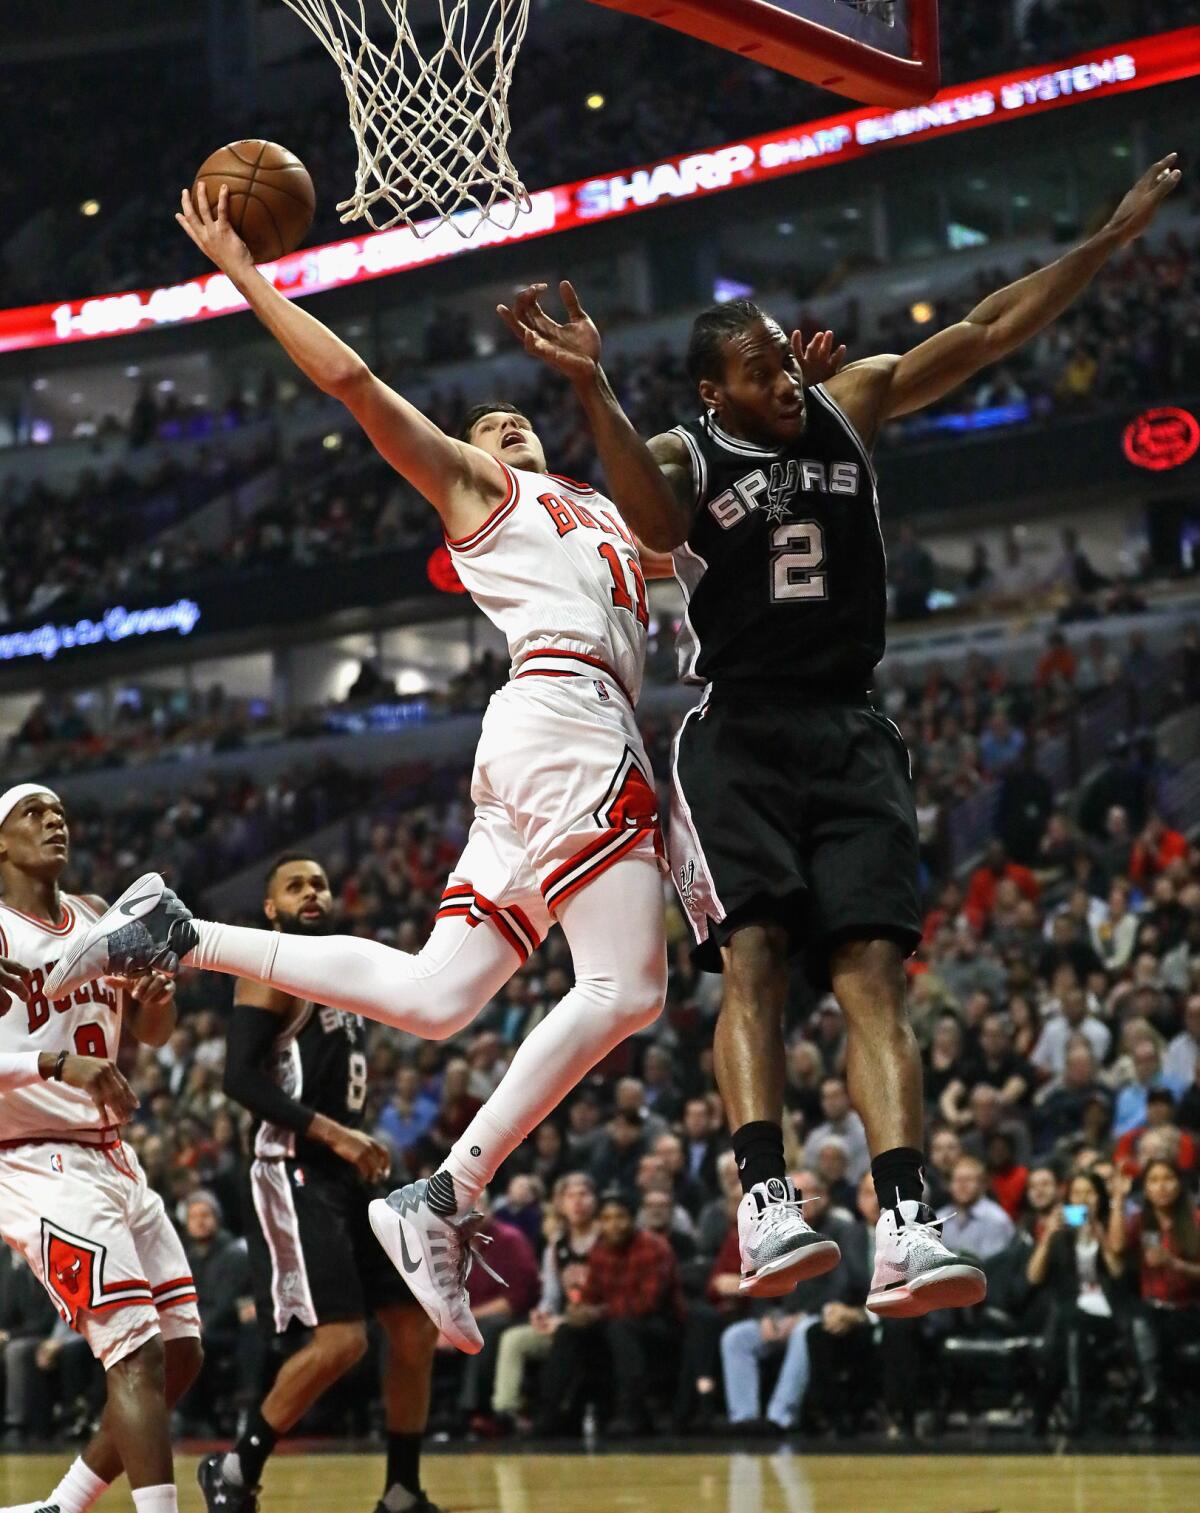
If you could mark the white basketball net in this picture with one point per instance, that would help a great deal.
(429, 116)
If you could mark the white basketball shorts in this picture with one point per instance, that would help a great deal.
(562, 790)
(98, 1239)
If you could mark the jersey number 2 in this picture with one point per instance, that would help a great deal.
(620, 589)
(798, 554)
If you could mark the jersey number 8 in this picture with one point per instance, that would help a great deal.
(798, 554)
(356, 1082)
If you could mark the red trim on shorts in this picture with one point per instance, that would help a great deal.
(179, 1302)
(501, 512)
(141, 1301)
(67, 1139)
(514, 925)
(575, 656)
(65, 928)
(176, 1282)
(495, 914)
(608, 848)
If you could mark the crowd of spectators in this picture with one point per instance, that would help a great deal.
(662, 94)
(1056, 998)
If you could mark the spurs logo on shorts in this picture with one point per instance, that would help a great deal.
(73, 1268)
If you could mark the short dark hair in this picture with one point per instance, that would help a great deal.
(711, 329)
(618, 1198)
(1161, 1095)
(282, 860)
(476, 413)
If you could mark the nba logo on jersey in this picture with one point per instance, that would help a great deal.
(298, 1176)
(601, 689)
(56, 1162)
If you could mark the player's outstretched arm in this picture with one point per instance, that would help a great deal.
(461, 482)
(645, 498)
(879, 388)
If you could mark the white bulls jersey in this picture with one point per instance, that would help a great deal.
(88, 1023)
(555, 569)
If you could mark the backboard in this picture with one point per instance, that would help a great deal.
(882, 52)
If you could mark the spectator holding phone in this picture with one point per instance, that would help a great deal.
(1081, 1269)
(1161, 1244)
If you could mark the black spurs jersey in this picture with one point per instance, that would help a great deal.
(783, 569)
(320, 1059)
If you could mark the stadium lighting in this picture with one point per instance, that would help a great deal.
(332, 441)
(921, 311)
(90, 208)
(595, 101)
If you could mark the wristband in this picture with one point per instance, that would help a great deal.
(56, 1074)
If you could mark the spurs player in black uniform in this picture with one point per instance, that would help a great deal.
(793, 824)
(301, 1070)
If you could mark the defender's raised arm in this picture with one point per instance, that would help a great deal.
(880, 388)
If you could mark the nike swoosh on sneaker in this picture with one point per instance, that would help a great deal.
(131, 907)
(409, 1265)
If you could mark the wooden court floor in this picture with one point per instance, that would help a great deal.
(735, 1483)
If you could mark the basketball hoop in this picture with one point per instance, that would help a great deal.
(429, 112)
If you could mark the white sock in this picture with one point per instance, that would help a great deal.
(433, 994)
(399, 1499)
(156, 1499)
(78, 1490)
(613, 927)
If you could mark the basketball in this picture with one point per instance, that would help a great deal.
(271, 196)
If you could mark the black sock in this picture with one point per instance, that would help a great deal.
(403, 1462)
(440, 1195)
(759, 1151)
(254, 1448)
(898, 1176)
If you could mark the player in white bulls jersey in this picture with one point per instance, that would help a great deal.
(73, 1199)
(566, 826)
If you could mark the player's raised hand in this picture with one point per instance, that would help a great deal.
(1140, 205)
(14, 983)
(573, 348)
(819, 359)
(211, 231)
(105, 1085)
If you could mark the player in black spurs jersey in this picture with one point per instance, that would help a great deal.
(793, 826)
(301, 1070)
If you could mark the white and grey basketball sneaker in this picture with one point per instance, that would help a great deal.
(914, 1271)
(434, 1256)
(148, 929)
(779, 1248)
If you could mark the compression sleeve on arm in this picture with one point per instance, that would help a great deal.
(252, 1032)
(18, 1069)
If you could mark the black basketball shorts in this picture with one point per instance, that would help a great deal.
(313, 1256)
(794, 814)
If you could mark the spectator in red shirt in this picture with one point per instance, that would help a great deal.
(629, 1314)
(1057, 663)
(496, 1307)
(981, 890)
(1155, 849)
(1161, 1244)
(1007, 1178)
(1160, 1114)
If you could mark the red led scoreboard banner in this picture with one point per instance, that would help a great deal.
(840, 138)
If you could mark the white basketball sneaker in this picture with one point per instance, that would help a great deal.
(147, 930)
(778, 1247)
(914, 1271)
(434, 1256)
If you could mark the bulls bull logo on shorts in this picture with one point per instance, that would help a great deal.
(631, 802)
(73, 1274)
